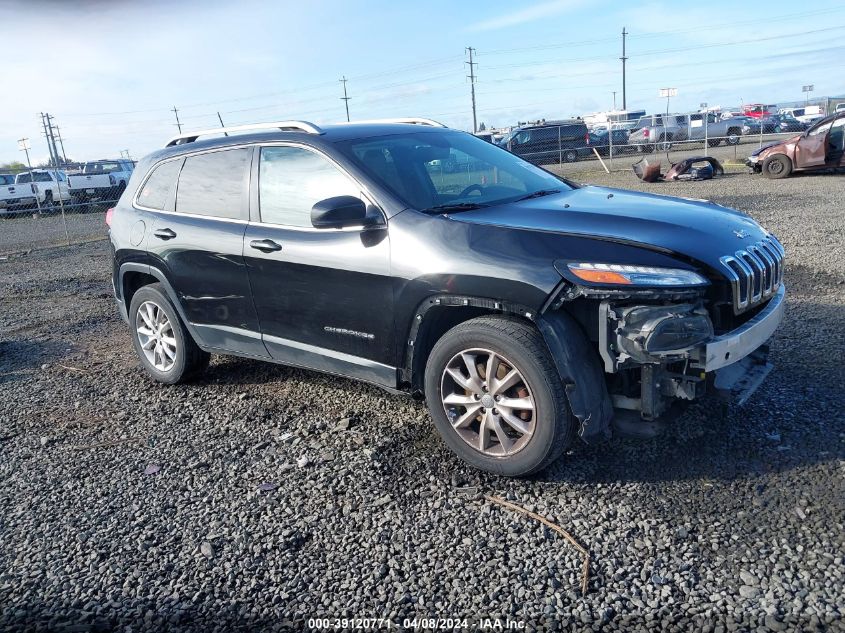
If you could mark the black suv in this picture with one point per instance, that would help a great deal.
(550, 141)
(525, 308)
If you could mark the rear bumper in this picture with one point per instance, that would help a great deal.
(733, 346)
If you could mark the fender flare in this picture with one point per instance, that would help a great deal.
(168, 288)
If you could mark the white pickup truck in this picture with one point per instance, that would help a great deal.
(100, 180)
(39, 184)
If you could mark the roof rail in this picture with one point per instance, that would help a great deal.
(410, 120)
(286, 126)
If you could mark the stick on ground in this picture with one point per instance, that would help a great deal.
(585, 572)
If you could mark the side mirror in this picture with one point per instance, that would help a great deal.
(338, 212)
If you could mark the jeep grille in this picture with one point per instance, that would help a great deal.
(755, 273)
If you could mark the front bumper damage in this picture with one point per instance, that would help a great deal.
(735, 363)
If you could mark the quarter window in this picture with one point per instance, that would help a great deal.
(291, 180)
(158, 187)
(213, 184)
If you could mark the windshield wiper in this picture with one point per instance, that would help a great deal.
(539, 194)
(455, 206)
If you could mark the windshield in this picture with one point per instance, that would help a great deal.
(429, 170)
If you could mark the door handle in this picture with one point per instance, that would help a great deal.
(266, 246)
(164, 234)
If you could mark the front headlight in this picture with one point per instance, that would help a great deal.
(625, 275)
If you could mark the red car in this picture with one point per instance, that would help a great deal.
(820, 147)
(758, 110)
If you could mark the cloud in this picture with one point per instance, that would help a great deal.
(530, 14)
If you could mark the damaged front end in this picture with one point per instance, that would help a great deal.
(664, 345)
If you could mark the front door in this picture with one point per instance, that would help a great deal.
(323, 296)
(811, 149)
(197, 241)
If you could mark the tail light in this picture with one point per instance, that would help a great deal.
(645, 133)
(112, 180)
(587, 138)
(109, 215)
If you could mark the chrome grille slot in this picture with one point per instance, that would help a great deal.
(755, 273)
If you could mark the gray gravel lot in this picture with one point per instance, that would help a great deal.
(726, 523)
(30, 231)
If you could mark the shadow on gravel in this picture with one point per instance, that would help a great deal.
(19, 358)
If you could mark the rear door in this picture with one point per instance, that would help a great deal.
(197, 241)
(323, 296)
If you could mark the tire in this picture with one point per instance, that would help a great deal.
(645, 149)
(187, 360)
(733, 137)
(713, 142)
(570, 156)
(664, 143)
(550, 426)
(47, 203)
(777, 166)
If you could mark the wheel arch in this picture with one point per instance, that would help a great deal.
(134, 276)
(575, 359)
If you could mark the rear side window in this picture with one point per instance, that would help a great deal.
(214, 184)
(158, 187)
(291, 180)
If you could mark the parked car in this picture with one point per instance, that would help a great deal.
(31, 189)
(100, 180)
(840, 108)
(806, 114)
(758, 110)
(653, 131)
(775, 124)
(550, 142)
(822, 146)
(659, 131)
(599, 139)
(522, 306)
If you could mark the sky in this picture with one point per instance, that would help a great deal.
(110, 73)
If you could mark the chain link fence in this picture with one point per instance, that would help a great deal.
(53, 206)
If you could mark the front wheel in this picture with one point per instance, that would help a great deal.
(496, 398)
(777, 166)
(167, 351)
(713, 142)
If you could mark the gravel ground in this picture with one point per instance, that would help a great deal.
(32, 231)
(261, 496)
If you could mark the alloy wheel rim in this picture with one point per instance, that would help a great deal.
(155, 334)
(488, 402)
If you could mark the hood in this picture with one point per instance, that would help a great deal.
(762, 149)
(694, 229)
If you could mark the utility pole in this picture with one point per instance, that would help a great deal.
(178, 124)
(614, 100)
(53, 138)
(23, 144)
(345, 98)
(53, 159)
(220, 118)
(471, 76)
(624, 59)
(61, 144)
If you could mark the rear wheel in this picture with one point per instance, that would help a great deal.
(713, 142)
(496, 398)
(777, 166)
(570, 156)
(733, 137)
(645, 149)
(665, 143)
(167, 351)
(47, 203)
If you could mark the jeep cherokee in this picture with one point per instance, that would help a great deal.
(525, 308)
